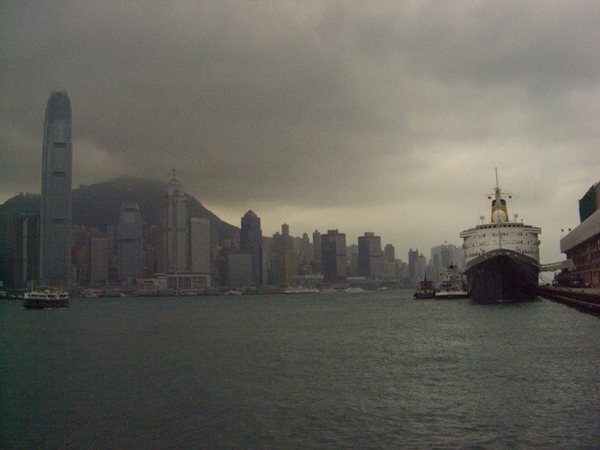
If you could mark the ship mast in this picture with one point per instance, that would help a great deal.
(498, 203)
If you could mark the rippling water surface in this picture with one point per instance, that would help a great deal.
(368, 370)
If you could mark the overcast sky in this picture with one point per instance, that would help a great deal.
(375, 116)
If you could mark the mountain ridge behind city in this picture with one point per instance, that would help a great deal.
(99, 204)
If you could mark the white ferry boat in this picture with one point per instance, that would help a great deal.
(501, 257)
(48, 298)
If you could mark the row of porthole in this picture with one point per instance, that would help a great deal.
(479, 244)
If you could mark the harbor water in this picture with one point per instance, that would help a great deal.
(322, 371)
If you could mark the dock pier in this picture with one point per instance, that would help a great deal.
(586, 299)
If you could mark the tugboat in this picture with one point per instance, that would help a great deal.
(426, 290)
(501, 257)
(47, 298)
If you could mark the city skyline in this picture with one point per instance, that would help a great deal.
(384, 117)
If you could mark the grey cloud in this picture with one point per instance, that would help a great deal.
(307, 105)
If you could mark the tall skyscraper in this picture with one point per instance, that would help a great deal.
(305, 248)
(352, 260)
(55, 211)
(370, 263)
(333, 257)
(286, 238)
(390, 265)
(251, 243)
(174, 220)
(413, 271)
(283, 241)
(317, 246)
(129, 242)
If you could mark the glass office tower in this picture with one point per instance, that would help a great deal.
(130, 248)
(55, 211)
(174, 220)
(251, 243)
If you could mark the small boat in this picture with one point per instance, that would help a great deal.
(354, 290)
(48, 298)
(91, 293)
(299, 290)
(453, 284)
(329, 291)
(425, 290)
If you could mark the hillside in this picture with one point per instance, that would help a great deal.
(98, 205)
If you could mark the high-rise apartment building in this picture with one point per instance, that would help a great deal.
(413, 270)
(352, 260)
(333, 257)
(370, 260)
(239, 270)
(19, 249)
(283, 241)
(389, 253)
(55, 210)
(317, 246)
(422, 267)
(390, 265)
(285, 268)
(27, 262)
(99, 255)
(199, 245)
(129, 243)
(174, 222)
(306, 253)
(251, 243)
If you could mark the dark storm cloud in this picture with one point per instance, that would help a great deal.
(224, 88)
(321, 107)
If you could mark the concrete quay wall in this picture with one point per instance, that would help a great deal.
(587, 299)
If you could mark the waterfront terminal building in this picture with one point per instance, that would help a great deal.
(582, 244)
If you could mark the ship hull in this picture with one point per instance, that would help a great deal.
(423, 295)
(45, 303)
(502, 276)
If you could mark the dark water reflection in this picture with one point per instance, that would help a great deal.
(371, 370)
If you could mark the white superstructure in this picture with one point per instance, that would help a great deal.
(48, 294)
(501, 233)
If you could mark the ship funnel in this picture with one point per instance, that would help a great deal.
(499, 211)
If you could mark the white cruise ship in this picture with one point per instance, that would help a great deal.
(501, 257)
